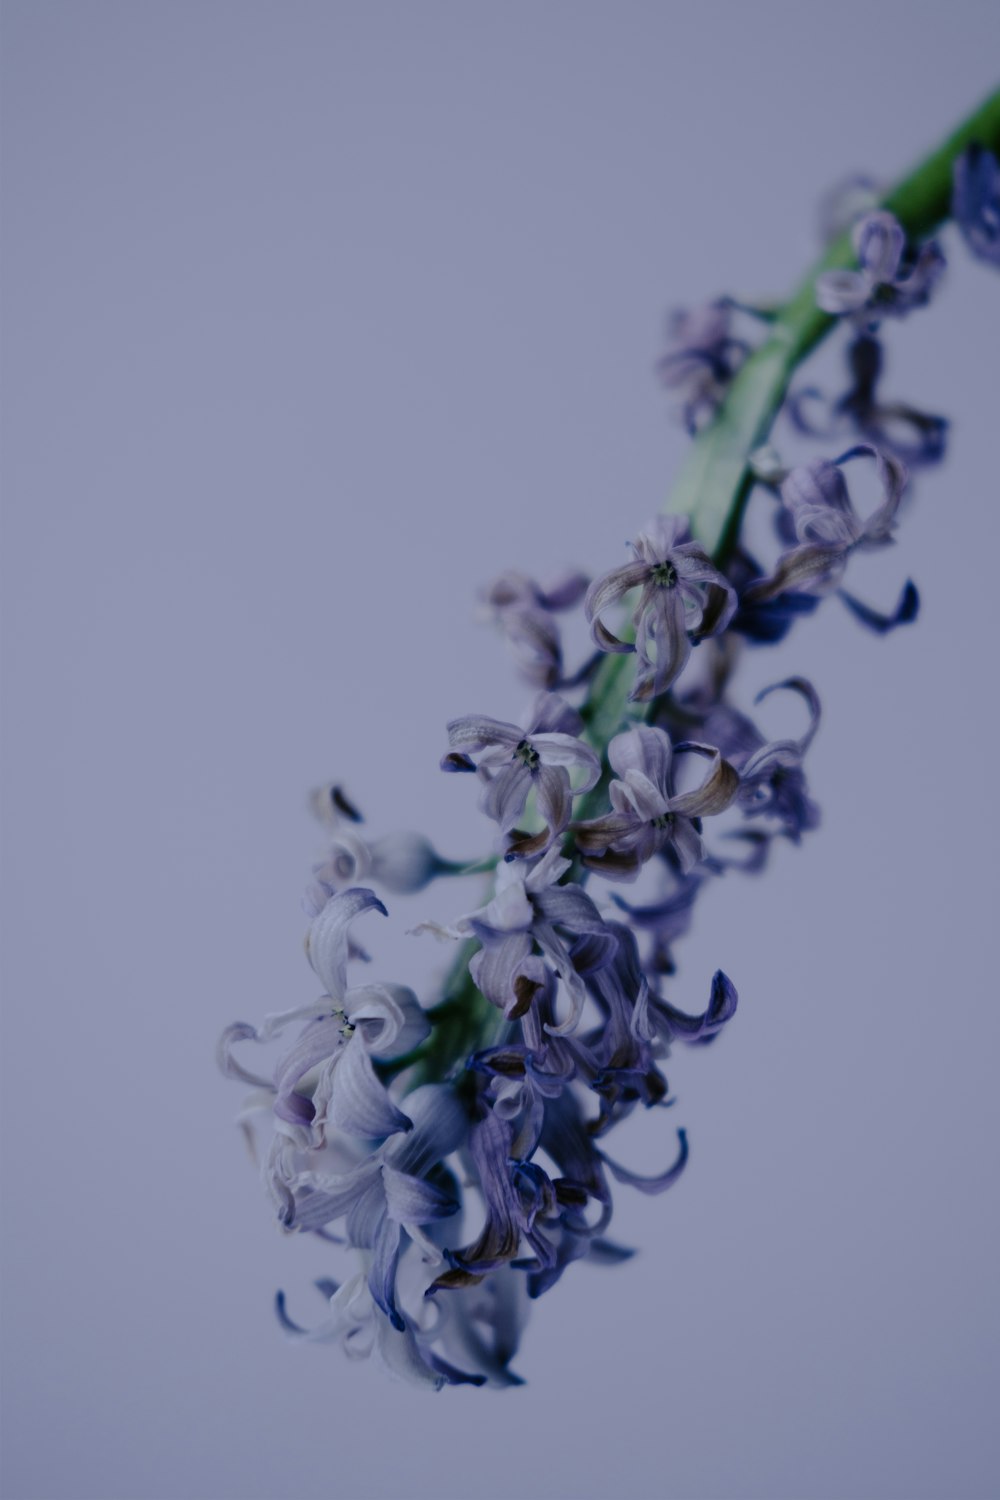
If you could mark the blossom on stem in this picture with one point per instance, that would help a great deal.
(701, 359)
(647, 815)
(772, 783)
(684, 598)
(523, 610)
(518, 761)
(532, 909)
(818, 511)
(887, 283)
(914, 436)
(326, 1078)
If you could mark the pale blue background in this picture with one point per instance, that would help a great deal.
(315, 316)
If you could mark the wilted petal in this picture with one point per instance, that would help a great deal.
(721, 1008)
(327, 943)
(477, 732)
(604, 592)
(905, 613)
(841, 291)
(652, 1184)
(808, 567)
(495, 968)
(359, 1104)
(892, 476)
(805, 691)
(716, 792)
(388, 1017)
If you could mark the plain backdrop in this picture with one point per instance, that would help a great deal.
(316, 315)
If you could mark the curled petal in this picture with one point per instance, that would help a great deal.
(808, 567)
(652, 1184)
(716, 792)
(721, 1008)
(327, 942)
(388, 1018)
(477, 732)
(604, 592)
(806, 691)
(242, 1031)
(905, 613)
(892, 476)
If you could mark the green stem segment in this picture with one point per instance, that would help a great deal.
(715, 481)
(712, 490)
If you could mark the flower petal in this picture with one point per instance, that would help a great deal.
(327, 942)
(652, 1184)
(359, 1105)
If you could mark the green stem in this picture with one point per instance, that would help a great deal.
(712, 490)
(715, 480)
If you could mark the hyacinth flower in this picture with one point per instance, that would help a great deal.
(818, 510)
(976, 201)
(683, 598)
(913, 436)
(326, 1079)
(701, 359)
(534, 916)
(647, 815)
(524, 611)
(516, 762)
(887, 283)
(457, 1160)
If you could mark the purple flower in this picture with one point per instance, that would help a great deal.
(975, 203)
(386, 1198)
(519, 1197)
(684, 597)
(772, 783)
(326, 1080)
(523, 610)
(887, 283)
(647, 815)
(914, 436)
(819, 513)
(532, 909)
(519, 761)
(702, 358)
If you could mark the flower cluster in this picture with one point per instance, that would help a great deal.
(456, 1152)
